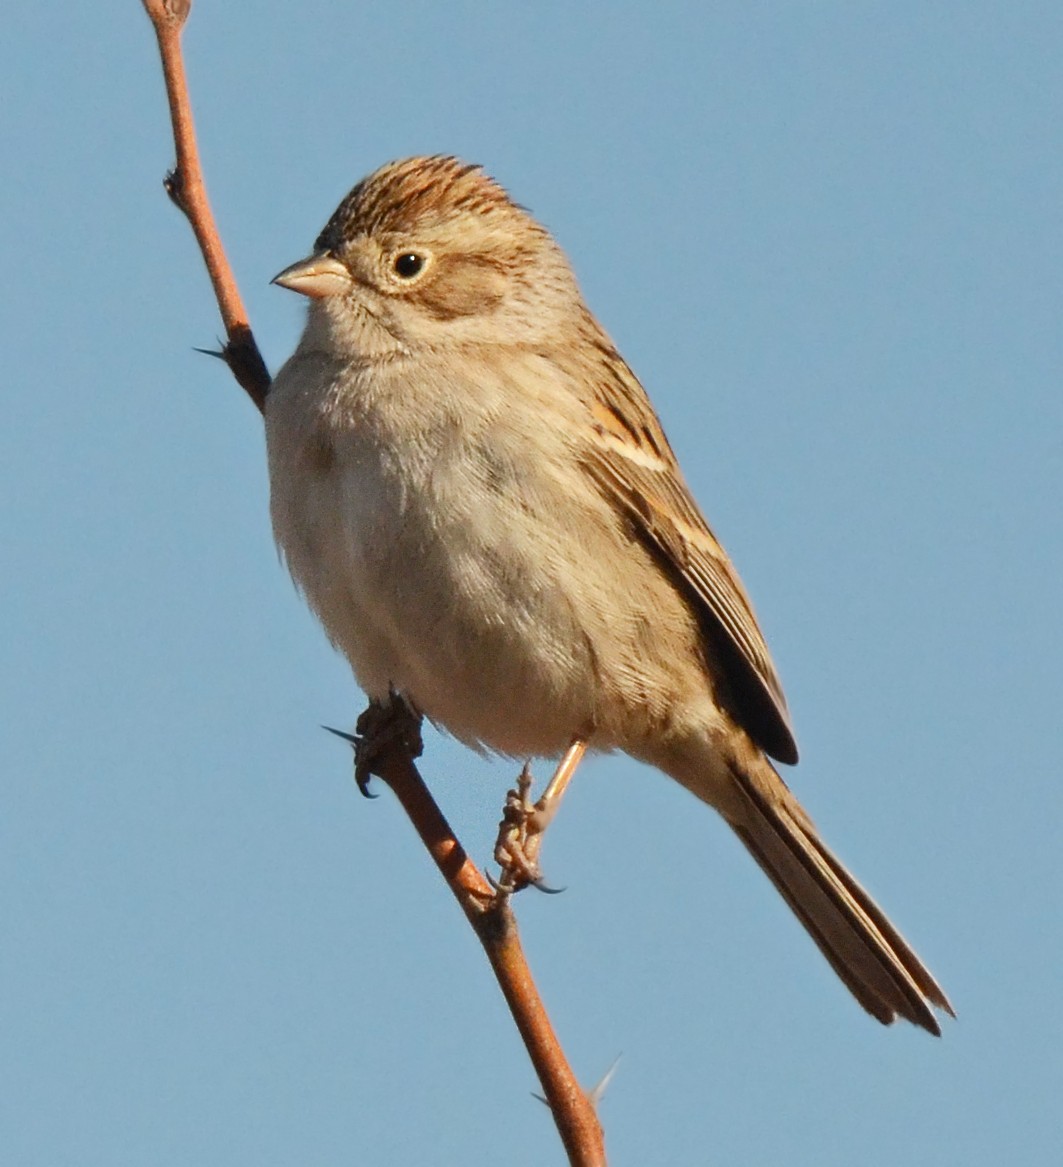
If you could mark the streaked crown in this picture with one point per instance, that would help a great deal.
(419, 193)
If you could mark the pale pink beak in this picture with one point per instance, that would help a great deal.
(316, 276)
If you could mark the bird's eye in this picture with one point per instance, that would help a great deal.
(408, 265)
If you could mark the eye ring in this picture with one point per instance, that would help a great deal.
(408, 264)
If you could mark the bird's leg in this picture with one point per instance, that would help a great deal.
(520, 833)
(546, 807)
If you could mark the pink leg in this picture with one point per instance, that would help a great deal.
(520, 833)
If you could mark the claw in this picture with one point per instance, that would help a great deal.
(361, 775)
(520, 833)
(363, 779)
(504, 889)
(379, 728)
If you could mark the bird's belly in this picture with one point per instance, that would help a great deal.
(452, 606)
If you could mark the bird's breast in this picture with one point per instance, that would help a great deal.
(427, 541)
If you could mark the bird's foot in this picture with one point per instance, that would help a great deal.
(381, 725)
(520, 837)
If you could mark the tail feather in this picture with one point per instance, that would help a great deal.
(867, 952)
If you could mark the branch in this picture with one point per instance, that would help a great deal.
(184, 184)
(488, 912)
(495, 926)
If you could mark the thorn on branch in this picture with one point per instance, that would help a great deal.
(212, 352)
(598, 1093)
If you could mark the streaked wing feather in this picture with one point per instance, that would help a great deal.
(637, 470)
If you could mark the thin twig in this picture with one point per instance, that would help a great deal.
(185, 186)
(492, 919)
(489, 914)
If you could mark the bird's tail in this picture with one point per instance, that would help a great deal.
(874, 960)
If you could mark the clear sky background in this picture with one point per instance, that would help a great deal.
(827, 236)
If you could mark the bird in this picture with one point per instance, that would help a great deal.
(474, 494)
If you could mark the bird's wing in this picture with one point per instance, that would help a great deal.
(635, 468)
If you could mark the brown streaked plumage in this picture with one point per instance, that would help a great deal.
(475, 495)
(411, 193)
(639, 472)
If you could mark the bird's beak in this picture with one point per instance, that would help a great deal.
(316, 276)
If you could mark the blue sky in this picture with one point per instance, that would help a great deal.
(827, 236)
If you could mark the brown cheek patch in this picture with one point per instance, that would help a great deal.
(462, 285)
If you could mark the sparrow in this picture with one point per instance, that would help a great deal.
(474, 494)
